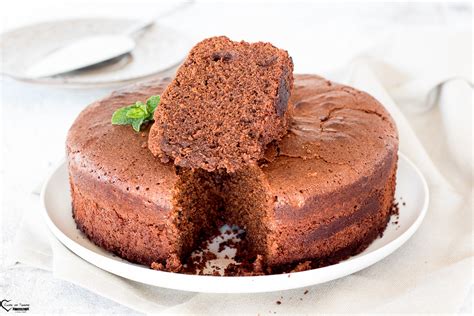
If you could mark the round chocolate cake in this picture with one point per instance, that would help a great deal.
(320, 194)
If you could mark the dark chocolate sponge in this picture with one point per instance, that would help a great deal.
(321, 193)
(227, 102)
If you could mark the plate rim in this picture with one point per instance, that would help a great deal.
(175, 280)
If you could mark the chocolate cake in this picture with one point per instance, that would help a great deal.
(321, 193)
(226, 103)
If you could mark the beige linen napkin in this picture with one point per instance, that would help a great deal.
(432, 272)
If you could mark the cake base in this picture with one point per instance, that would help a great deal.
(334, 248)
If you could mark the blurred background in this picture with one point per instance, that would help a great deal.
(319, 35)
(421, 53)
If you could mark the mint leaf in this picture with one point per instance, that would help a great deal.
(136, 114)
(120, 117)
(143, 107)
(152, 103)
(136, 124)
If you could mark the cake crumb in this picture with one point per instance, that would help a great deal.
(394, 210)
(302, 266)
(278, 302)
(173, 264)
(157, 266)
(258, 264)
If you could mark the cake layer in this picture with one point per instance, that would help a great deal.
(324, 191)
(226, 103)
(128, 236)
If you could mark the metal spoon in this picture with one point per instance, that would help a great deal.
(86, 52)
(92, 50)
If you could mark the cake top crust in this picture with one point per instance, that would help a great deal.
(338, 135)
(118, 155)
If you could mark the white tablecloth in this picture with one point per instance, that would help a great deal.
(399, 66)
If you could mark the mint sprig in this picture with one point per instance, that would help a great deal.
(136, 114)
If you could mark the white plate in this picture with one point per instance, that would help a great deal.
(159, 49)
(411, 189)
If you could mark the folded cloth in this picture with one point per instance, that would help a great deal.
(432, 272)
(429, 74)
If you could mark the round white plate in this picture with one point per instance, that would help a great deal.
(411, 190)
(159, 49)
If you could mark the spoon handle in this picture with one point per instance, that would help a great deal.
(140, 25)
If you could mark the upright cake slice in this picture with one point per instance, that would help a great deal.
(227, 102)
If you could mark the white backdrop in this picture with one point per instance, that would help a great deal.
(321, 38)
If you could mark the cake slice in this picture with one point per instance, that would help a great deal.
(227, 102)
